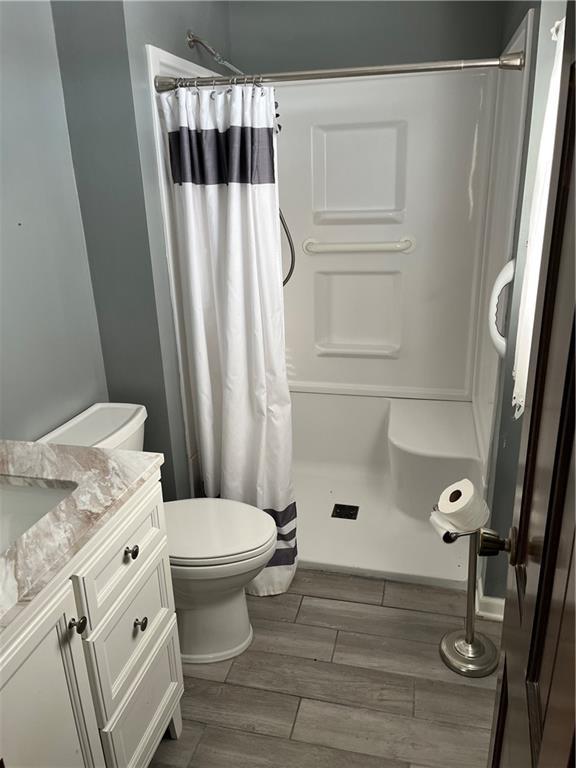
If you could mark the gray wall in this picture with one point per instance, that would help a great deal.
(91, 40)
(164, 25)
(277, 35)
(51, 361)
(108, 110)
(515, 11)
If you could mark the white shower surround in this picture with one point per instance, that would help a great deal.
(392, 377)
(377, 160)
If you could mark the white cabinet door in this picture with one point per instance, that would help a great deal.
(47, 717)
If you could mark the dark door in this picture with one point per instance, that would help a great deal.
(535, 718)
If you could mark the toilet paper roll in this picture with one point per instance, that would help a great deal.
(460, 508)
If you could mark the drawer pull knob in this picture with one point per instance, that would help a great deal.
(78, 624)
(132, 552)
(142, 623)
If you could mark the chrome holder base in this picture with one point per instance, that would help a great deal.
(476, 659)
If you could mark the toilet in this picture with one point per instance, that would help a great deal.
(216, 546)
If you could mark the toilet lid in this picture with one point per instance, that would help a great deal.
(213, 531)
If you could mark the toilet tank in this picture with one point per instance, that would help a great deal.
(103, 425)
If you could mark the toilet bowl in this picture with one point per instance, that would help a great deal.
(216, 546)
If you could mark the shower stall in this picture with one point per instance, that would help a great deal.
(400, 192)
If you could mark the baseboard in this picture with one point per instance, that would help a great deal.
(491, 608)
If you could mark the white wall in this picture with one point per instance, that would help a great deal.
(375, 160)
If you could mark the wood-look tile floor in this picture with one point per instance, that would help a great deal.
(344, 672)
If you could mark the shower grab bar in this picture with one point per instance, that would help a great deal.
(405, 245)
(505, 276)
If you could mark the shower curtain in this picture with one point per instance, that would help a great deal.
(226, 279)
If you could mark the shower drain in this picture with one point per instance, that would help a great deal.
(345, 511)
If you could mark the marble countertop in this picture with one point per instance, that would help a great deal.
(100, 482)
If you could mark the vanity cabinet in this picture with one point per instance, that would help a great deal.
(47, 717)
(94, 677)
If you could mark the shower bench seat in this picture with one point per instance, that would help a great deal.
(432, 444)
(433, 427)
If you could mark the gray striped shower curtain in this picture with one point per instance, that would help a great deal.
(226, 279)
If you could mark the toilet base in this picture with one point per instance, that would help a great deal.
(212, 626)
(211, 658)
(211, 608)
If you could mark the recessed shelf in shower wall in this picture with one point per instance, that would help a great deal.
(359, 172)
(358, 314)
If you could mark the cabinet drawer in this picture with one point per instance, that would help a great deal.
(119, 647)
(101, 582)
(131, 737)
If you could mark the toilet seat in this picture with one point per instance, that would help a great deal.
(211, 532)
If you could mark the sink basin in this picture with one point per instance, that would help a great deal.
(23, 501)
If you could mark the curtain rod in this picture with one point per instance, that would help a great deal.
(507, 61)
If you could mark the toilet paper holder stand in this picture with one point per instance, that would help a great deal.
(489, 542)
(466, 651)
